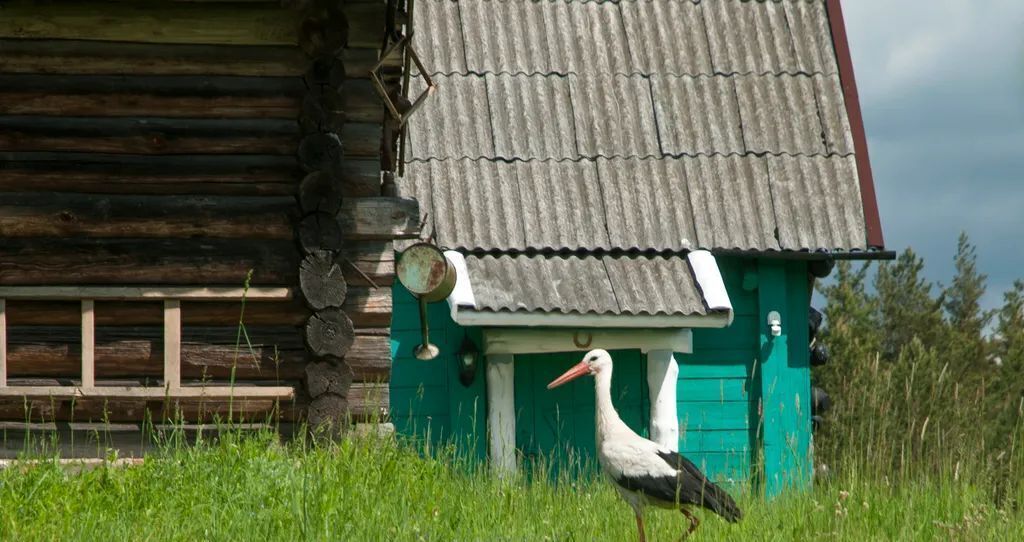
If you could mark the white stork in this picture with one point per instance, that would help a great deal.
(644, 472)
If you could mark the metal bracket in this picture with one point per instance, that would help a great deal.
(401, 116)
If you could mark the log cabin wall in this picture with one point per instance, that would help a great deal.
(199, 144)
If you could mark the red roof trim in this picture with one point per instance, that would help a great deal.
(860, 143)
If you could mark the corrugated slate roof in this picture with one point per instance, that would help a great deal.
(585, 285)
(635, 125)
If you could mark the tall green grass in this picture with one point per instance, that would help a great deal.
(253, 487)
(908, 458)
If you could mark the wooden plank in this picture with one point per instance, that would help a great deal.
(128, 293)
(264, 353)
(139, 392)
(380, 218)
(214, 262)
(366, 24)
(104, 57)
(157, 85)
(37, 214)
(88, 344)
(191, 175)
(143, 105)
(3, 342)
(369, 263)
(26, 133)
(172, 344)
(167, 23)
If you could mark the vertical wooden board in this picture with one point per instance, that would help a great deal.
(3, 342)
(419, 401)
(88, 343)
(784, 387)
(467, 405)
(172, 344)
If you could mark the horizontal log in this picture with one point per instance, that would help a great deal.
(366, 24)
(144, 105)
(34, 214)
(270, 353)
(369, 263)
(236, 175)
(144, 293)
(116, 393)
(211, 262)
(148, 136)
(380, 218)
(367, 400)
(366, 307)
(102, 58)
(136, 411)
(207, 86)
(227, 24)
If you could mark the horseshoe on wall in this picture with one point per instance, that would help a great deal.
(576, 340)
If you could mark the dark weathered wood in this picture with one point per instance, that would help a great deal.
(320, 192)
(321, 152)
(262, 353)
(370, 401)
(323, 33)
(34, 214)
(253, 24)
(256, 313)
(325, 71)
(102, 57)
(329, 334)
(370, 356)
(148, 136)
(321, 114)
(169, 174)
(328, 377)
(359, 62)
(366, 307)
(320, 231)
(321, 280)
(202, 411)
(328, 413)
(136, 105)
(368, 263)
(150, 261)
(366, 24)
(207, 86)
(380, 218)
(277, 353)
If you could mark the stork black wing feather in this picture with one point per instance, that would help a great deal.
(695, 488)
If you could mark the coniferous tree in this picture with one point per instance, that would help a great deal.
(1008, 373)
(966, 342)
(851, 331)
(906, 305)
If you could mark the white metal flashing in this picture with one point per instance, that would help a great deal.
(709, 279)
(558, 319)
(462, 294)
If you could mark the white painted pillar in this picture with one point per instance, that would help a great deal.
(501, 412)
(662, 374)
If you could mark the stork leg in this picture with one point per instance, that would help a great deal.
(640, 526)
(694, 522)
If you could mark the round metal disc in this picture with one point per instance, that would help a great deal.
(421, 268)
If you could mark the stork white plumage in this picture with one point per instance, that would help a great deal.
(643, 472)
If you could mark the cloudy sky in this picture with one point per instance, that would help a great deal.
(942, 88)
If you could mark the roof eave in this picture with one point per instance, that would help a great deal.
(872, 220)
(472, 317)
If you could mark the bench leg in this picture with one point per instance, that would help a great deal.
(172, 344)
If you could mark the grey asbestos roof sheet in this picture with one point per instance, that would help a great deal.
(585, 285)
(640, 125)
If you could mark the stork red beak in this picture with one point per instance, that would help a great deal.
(575, 372)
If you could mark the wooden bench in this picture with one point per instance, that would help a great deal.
(171, 297)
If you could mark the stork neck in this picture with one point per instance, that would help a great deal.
(608, 420)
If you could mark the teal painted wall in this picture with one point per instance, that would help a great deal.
(732, 376)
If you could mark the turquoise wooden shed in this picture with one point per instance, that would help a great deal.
(662, 179)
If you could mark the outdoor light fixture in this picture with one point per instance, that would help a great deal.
(775, 323)
(468, 357)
